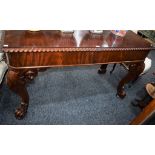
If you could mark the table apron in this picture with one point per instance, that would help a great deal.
(51, 59)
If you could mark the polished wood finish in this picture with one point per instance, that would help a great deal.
(28, 51)
(145, 114)
(17, 80)
(57, 39)
(53, 48)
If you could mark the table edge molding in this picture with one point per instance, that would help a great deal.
(81, 49)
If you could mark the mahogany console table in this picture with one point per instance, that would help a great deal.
(29, 52)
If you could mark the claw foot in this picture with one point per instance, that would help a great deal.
(121, 94)
(21, 111)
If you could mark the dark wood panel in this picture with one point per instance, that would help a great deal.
(73, 58)
(48, 38)
(119, 56)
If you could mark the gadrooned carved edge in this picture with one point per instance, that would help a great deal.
(81, 49)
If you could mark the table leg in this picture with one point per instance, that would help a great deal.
(134, 71)
(102, 69)
(16, 80)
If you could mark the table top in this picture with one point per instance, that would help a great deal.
(78, 39)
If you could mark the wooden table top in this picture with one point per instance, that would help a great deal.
(79, 39)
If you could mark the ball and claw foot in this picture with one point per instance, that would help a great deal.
(101, 71)
(121, 94)
(21, 111)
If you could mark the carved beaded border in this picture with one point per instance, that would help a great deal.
(81, 49)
